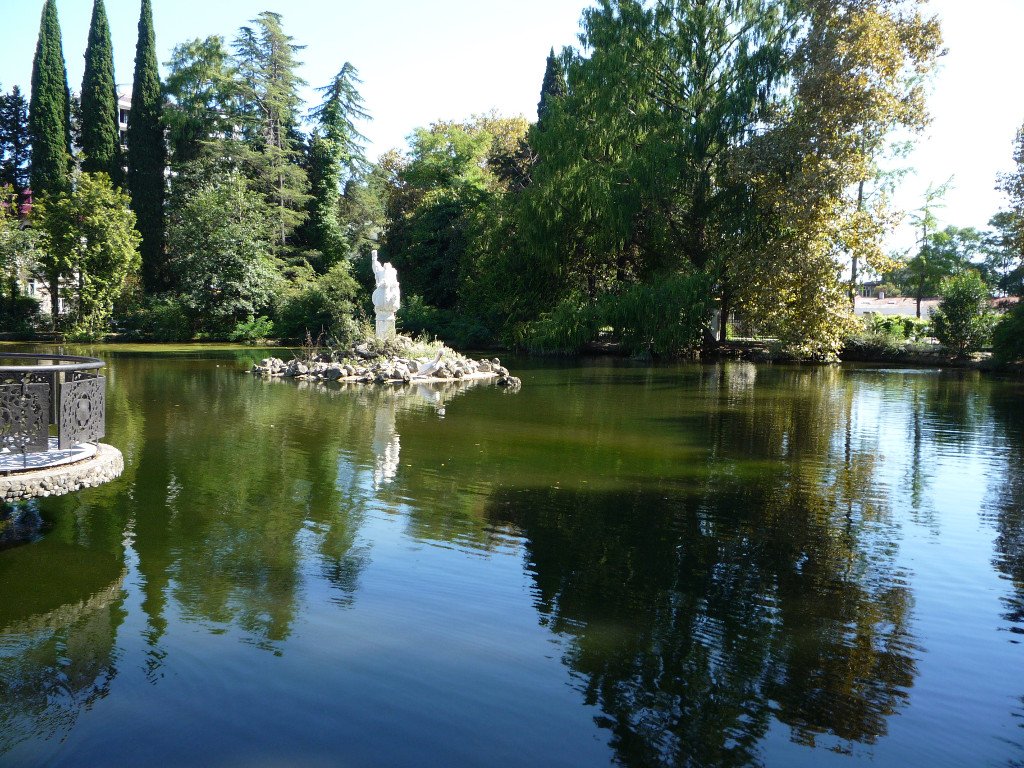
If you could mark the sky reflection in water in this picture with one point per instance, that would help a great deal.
(719, 565)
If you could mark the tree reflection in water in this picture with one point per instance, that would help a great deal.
(58, 634)
(701, 610)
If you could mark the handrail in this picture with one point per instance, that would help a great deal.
(69, 363)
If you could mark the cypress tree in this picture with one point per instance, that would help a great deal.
(147, 153)
(50, 109)
(100, 134)
(553, 87)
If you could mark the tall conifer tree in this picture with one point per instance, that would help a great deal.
(49, 109)
(147, 153)
(553, 87)
(14, 141)
(100, 133)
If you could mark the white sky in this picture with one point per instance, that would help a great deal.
(424, 60)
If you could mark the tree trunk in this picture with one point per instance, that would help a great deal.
(853, 260)
(54, 281)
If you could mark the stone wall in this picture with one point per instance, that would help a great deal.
(107, 464)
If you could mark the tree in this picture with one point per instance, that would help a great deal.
(147, 154)
(18, 251)
(101, 136)
(963, 321)
(1011, 223)
(203, 106)
(335, 157)
(440, 195)
(941, 255)
(726, 137)
(269, 111)
(50, 111)
(1008, 336)
(15, 146)
(553, 87)
(221, 238)
(1004, 257)
(91, 242)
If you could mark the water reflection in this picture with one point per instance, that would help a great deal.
(1008, 503)
(717, 553)
(700, 611)
(61, 608)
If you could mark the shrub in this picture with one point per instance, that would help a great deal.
(18, 314)
(253, 329)
(161, 318)
(665, 317)
(453, 326)
(899, 327)
(1008, 336)
(323, 305)
(963, 321)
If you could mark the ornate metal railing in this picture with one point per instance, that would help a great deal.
(40, 391)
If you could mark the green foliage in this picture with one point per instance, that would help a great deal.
(334, 157)
(454, 327)
(326, 304)
(18, 314)
(269, 101)
(203, 97)
(147, 154)
(253, 329)
(1008, 336)
(91, 242)
(19, 255)
(440, 198)
(322, 230)
(15, 147)
(963, 321)
(666, 317)
(941, 255)
(889, 290)
(897, 327)
(101, 138)
(162, 318)
(734, 138)
(552, 88)
(569, 326)
(221, 239)
(50, 109)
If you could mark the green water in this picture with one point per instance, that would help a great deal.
(684, 565)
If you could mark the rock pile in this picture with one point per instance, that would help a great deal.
(363, 365)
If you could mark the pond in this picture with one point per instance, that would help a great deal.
(620, 564)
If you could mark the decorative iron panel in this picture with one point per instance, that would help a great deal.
(10, 377)
(24, 417)
(83, 405)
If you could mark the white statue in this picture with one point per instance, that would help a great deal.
(385, 297)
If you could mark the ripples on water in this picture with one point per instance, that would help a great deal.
(721, 565)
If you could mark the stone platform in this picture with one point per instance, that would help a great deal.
(58, 472)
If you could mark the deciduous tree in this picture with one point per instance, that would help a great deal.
(91, 243)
